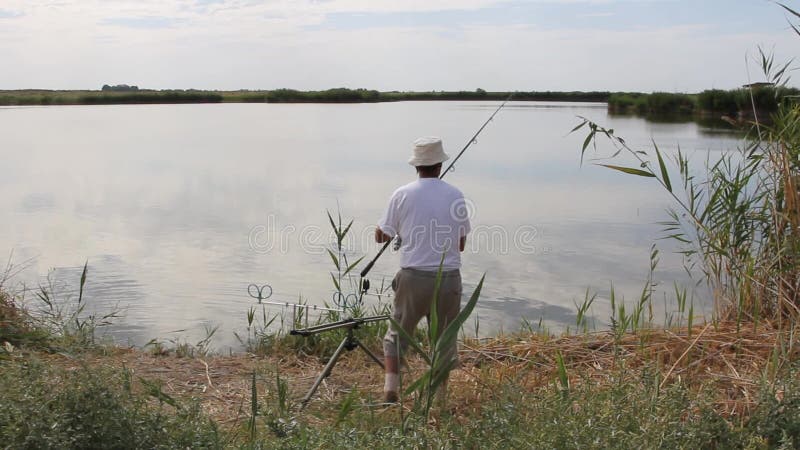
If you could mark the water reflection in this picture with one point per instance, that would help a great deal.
(707, 125)
(163, 199)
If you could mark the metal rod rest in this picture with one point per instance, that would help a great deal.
(301, 306)
(351, 323)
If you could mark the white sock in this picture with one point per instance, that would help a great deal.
(392, 382)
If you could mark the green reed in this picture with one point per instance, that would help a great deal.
(737, 225)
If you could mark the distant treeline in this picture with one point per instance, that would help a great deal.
(711, 102)
(119, 88)
(733, 103)
(123, 94)
(343, 95)
(107, 97)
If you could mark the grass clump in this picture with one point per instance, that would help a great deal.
(16, 327)
(42, 406)
(777, 418)
(629, 409)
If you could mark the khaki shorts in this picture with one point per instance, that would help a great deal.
(412, 301)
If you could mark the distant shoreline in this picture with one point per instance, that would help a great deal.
(341, 95)
(734, 104)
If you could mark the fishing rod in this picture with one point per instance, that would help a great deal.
(449, 168)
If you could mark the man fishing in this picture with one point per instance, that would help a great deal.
(429, 217)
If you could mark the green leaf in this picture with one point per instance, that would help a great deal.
(629, 170)
(433, 326)
(586, 143)
(411, 341)
(451, 333)
(333, 224)
(441, 373)
(45, 297)
(579, 126)
(562, 372)
(664, 174)
(83, 281)
(334, 259)
(335, 282)
(678, 237)
(253, 406)
(346, 406)
(795, 28)
(154, 390)
(418, 383)
(344, 233)
(793, 12)
(352, 266)
(269, 322)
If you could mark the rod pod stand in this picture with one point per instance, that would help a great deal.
(350, 342)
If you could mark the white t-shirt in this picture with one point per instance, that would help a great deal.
(430, 216)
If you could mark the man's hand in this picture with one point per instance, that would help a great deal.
(381, 237)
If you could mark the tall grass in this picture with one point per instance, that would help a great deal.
(738, 224)
(56, 321)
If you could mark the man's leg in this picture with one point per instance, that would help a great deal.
(391, 384)
(407, 312)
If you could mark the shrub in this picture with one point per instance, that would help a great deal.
(92, 408)
(719, 101)
(669, 103)
(16, 326)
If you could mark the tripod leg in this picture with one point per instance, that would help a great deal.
(326, 371)
(369, 352)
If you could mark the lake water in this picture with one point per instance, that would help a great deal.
(178, 208)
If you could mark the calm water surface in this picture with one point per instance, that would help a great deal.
(178, 208)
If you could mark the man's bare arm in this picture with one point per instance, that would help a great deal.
(381, 237)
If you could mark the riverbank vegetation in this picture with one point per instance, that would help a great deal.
(750, 102)
(116, 95)
(714, 385)
(735, 103)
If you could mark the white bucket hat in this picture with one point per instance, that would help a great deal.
(428, 151)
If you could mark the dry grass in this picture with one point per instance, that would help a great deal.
(733, 362)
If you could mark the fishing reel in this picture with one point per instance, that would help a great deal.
(364, 285)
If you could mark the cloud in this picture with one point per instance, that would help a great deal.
(142, 22)
(8, 14)
(232, 44)
(598, 14)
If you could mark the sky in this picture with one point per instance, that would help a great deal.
(609, 45)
